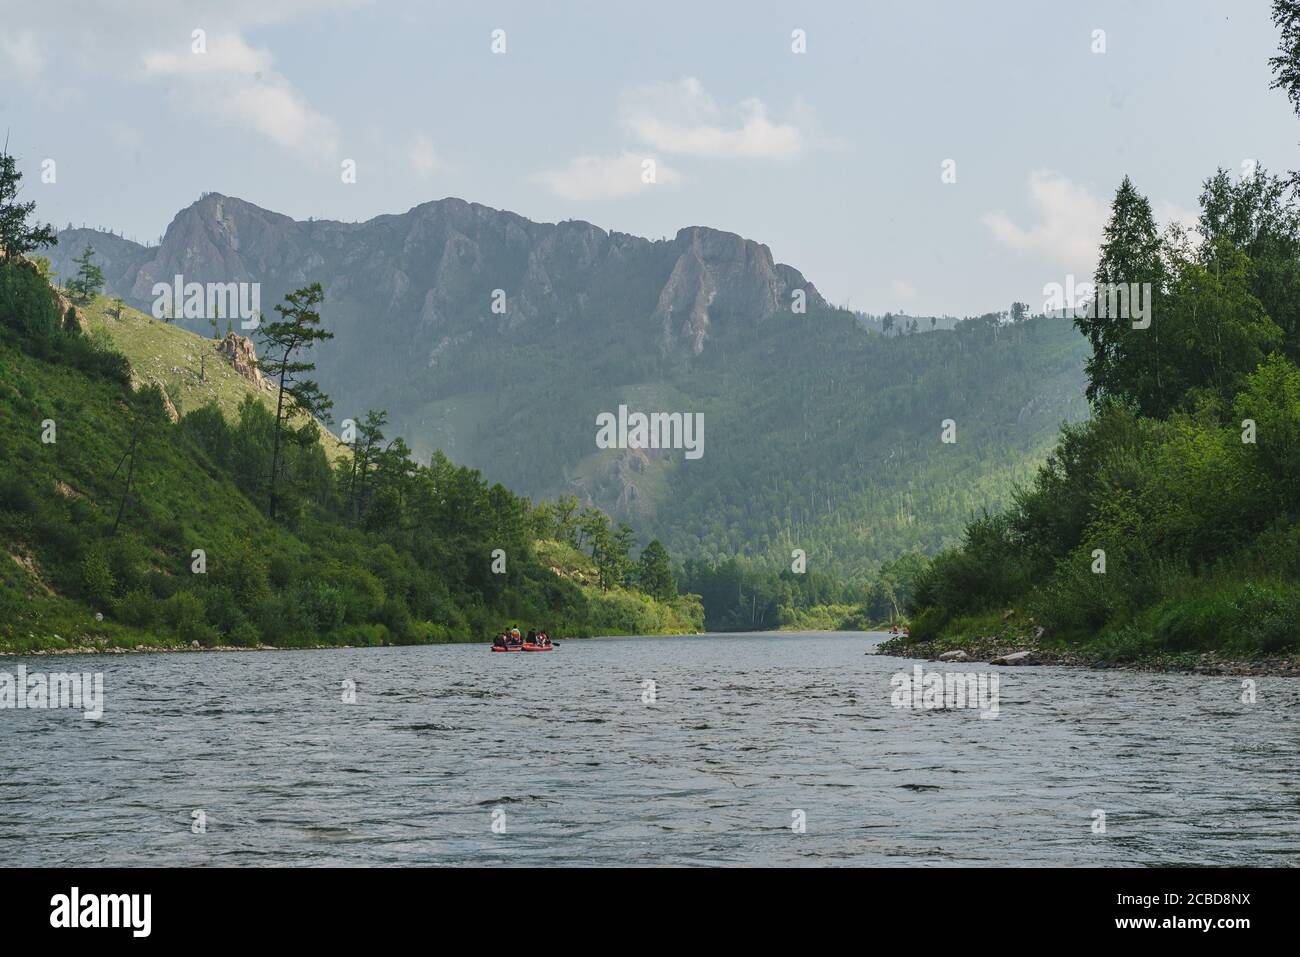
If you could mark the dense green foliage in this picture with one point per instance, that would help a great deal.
(820, 435)
(18, 237)
(108, 508)
(1170, 521)
(741, 595)
(654, 572)
(1286, 65)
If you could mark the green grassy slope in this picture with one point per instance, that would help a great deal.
(70, 579)
(186, 366)
(57, 498)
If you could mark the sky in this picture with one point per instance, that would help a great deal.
(823, 130)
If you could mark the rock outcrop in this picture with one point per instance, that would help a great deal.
(720, 275)
(242, 356)
(404, 292)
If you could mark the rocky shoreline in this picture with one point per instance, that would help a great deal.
(145, 650)
(191, 648)
(1028, 651)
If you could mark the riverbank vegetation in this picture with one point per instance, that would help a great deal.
(127, 522)
(1169, 522)
(741, 595)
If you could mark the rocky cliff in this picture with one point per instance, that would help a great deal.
(410, 289)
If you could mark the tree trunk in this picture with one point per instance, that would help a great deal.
(279, 411)
(130, 474)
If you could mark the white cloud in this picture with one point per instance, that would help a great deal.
(225, 53)
(21, 56)
(902, 289)
(588, 178)
(424, 160)
(236, 82)
(1070, 222)
(681, 118)
(678, 119)
(232, 82)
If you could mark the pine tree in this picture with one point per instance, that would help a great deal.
(1124, 357)
(297, 329)
(17, 238)
(365, 447)
(654, 572)
(90, 278)
(1286, 65)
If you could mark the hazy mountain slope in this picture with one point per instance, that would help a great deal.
(119, 258)
(819, 434)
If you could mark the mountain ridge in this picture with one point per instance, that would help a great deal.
(132, 268)
(499, 340)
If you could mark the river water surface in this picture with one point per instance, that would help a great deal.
(562, 753)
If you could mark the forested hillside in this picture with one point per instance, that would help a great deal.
(123, 527)
(1169, 522)
(819, 434)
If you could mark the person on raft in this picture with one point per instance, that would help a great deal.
(511, 638)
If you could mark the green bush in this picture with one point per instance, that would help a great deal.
(184, 612)
(162, 585)
(360, 636)
(928, 624)
(279, 619)
(129, 559)
(224, 610)
(16, 495)
(97, 582)
(1249, 617)
(244, 635)
(396, 617)
(322, 606)
(138, 607)
(27, 303)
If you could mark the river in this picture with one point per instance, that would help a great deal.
(771, 749)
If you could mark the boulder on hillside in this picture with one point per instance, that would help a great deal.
(242, 356)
